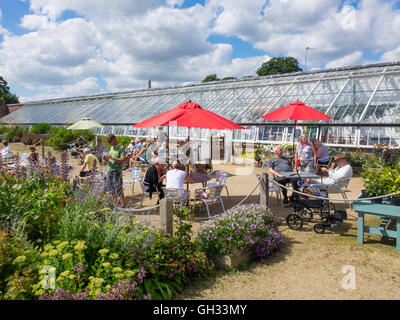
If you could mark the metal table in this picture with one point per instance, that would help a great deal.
(303, 175)
(386, 211)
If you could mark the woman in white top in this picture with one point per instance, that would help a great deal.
(177, 177)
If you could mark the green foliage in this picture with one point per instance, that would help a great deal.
(61, 137)
(210, 78)
(390, 154)
(6, 97)
(382, 180)
(279, 65)
(41, 128)
(15, 133)
(17, 260)
(35, 202)
(213, 77)
(93, 221)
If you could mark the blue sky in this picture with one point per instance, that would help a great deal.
(59, 48)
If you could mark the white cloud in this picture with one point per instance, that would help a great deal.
(127, 42)
(349, 60)
(82, 88)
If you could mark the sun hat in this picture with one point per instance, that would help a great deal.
(338, 157)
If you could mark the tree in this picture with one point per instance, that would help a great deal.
(6, 97)
(213, 77)
(210, 77)
(279, 65)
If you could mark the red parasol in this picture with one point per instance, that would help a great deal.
(189, 114)
(296, 111)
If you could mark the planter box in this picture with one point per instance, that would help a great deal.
(229, 262)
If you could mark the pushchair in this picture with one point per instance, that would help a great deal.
(310, 209)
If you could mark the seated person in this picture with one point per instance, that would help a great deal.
(154, 177)
(130, 148)
(140, 156)
(78, 147)
(91, 163)
(5, 152)
(338, 176)
(138, 145)
(321, 152)
(281, 164)
(177, 177)
(33, 156)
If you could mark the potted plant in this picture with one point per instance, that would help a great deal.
(374, 183)
(394, 185)
(239, 235)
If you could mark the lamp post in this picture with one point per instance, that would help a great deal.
(305, 57)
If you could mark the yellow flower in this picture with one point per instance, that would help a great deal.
(19, 259)
(44, 254)
(48, 247)
(98, 281)
(71, 277)
(129, 273)
(114, 256)
(119, 275)
(106, 264)
(104, 251)
(80, 246)
(56, 242)
(53, 253)
(67, 256)
(62, 245)
(39, 292)
(117, 269)
(65, 273)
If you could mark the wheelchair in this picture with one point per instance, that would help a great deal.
(308, 209)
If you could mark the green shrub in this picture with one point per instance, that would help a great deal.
(15, 133)
(35, 202)
(17, 260)
(41, 128)
(60, 137)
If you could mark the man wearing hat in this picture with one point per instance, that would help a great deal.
(339, 175)
(281, 164)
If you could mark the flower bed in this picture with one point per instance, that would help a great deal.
(240, 230)
(53, 246)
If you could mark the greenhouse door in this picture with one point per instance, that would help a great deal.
(218, 148)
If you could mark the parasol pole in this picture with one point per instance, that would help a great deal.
(168, 147)
(294, 133)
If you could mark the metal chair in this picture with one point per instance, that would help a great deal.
(180, 196)
(214, 195)
(135, 176)
(143, 185)
(220, 179)
(336, 188)
(272, 189)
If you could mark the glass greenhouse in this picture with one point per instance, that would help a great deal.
(363, 101)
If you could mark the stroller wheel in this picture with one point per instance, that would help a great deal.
(319, 228)
(294, 221)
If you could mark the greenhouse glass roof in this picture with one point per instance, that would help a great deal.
(355, 95)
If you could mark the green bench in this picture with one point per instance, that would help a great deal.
(385, 211)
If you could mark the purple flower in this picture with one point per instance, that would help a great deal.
(229, 238)
(237, 232)
(253, 226)
(214, 236)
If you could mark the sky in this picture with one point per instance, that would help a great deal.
(66, 48)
